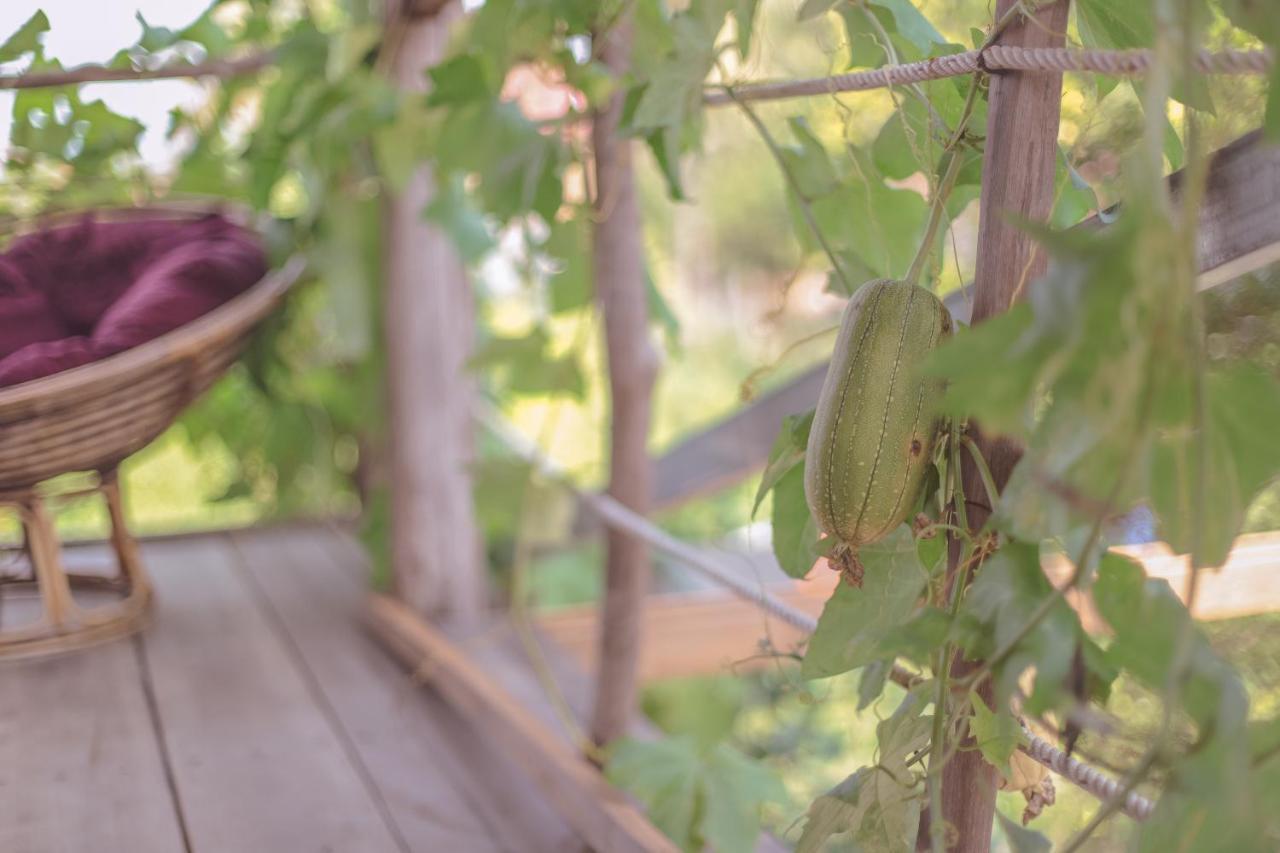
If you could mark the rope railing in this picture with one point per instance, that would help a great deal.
(617, 516)
(993, 59)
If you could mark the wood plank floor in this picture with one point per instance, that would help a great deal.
(254, 714)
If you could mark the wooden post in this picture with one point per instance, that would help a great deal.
(618, 257)
(1018, 164)
(429, 319)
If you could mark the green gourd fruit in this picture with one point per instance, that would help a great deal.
(877, 419)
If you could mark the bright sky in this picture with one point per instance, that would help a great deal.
(92, 31)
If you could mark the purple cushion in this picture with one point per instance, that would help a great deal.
(85, 267)
(82, 292)
(44, 358)
(177, 288)
(25, 314)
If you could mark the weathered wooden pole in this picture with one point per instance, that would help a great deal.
(1018, 167)
(618, 258)
(428, 320)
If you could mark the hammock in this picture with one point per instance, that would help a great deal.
(89, 419)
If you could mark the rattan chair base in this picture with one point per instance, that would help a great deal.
(65, 625)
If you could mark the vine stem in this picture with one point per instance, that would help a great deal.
(942, 672)
(984, 471)
(937, 206)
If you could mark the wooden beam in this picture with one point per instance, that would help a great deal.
(429, 325)
(605, 818)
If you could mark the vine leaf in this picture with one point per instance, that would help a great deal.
(856, 622)
(568, 249)
(996, 733)
(1242, 408)
(787, 452)
(1021, 839)
(795, 532)
(1148, 618)
(697, 796)
(880, 805)
(454, 211)
(872, 682)
(528, 366)
(809, 163)
(744, 15)
(518, 166)
(892, 824)
(878, 223)
(27, 39)
(1008, 590)
(835, 812)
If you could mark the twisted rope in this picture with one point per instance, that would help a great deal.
(996, 58)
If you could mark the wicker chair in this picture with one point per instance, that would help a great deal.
(89, 419)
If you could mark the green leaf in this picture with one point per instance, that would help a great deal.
(673, 96)
(662, 774)
(878, 223)
(1242, 408)
(528, 366)
(744, 15)
(850, 276)
(795, 533)
(872, 682)
(813, 8)
(879, 806)
(517, 166)
(1115, 26)
(735, 787)
(401, 147)
(453, 210)
(866, 47)
(835, 812)
(900, 138)
(891, 823)
(568, 248)
(344, 261)
(462, 79)
(808, 163)
(698, 797)
(1148, 620)
(660, 310)
(856, 621)
(154, 39)
(1011, 587)
(1021, 839)
(996, 734)
(27, 39)
(912, 25)
(1075, 199)
(787, 452)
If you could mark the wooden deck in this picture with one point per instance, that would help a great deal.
(255, 715)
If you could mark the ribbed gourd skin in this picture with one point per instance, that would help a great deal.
(877, 418)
